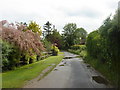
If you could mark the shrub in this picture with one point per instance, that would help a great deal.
(6, 49)
(55, 50)
(76, 47)
(19, 46)
(10, 55)
(74, 51)
(33, 58)
(24, 40)
(47, 45)
(83, 54)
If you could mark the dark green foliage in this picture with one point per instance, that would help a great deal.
(55, 37)
(80, 34)
(93, 44)
(103, 46)
(6, 49)
(69, 30)
(10, 56)
(47, 28)
(47, 45)
(73, 35)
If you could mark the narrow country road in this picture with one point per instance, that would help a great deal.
(72, 72)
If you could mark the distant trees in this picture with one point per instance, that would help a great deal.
(73, 35)
(47, 27)
(52, 35)
(69, 34)
(80, 34)
(55, 37)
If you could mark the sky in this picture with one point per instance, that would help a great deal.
(88, 14)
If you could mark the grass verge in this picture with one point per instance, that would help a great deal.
(96, 64)
(103, 69)
(18, 77)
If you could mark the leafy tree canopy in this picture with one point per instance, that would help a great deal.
(35, 27)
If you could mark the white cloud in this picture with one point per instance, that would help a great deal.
(88, 14)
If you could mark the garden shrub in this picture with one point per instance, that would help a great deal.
(78, 47)
(14, 57)
(6, 49)
(25, 41)
(20, 46)
(47, 45)
(33, 58)
(27, 59)
(75, 47)
(10, 56)
(54, 50)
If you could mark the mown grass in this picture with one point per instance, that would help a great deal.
(18, 77)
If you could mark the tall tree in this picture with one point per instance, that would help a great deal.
(80, 34)
(69, 34)
(47, 28)
(55, 38)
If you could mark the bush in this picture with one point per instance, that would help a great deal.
(27, 42)
(54, 50)
(10, 56)
(83, 54)
(28, 59)
(6, 49)
(47, 45)
(93, 44)
(77, 49)
(74, 51)
(80, 47)
(18, 46)
(33, 58)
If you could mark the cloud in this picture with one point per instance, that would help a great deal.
(88, 14)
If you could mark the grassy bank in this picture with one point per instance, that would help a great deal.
(108, 73)
(17, 78)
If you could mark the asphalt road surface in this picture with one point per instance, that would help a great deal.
(70, 73)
